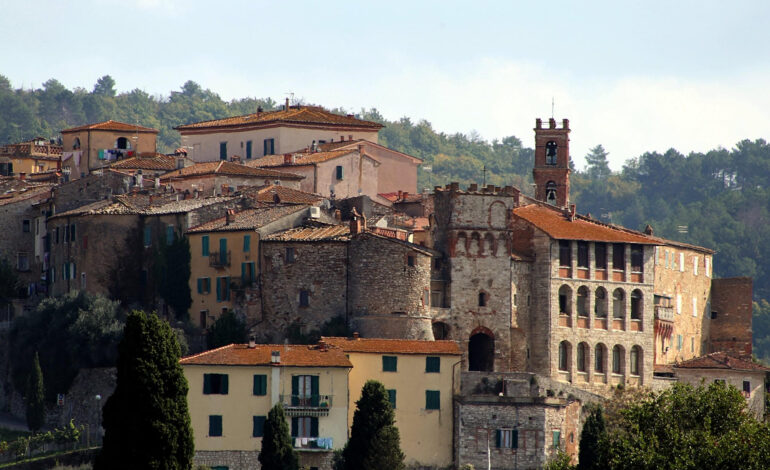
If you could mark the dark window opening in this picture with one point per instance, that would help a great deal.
(248, 150)
(389, 363)
(290, 255)
(565, 300)
(410, 261)
(215, 384)
(268, 147)
(582, 301)
(223, 150)
(551, 153)
(714, 315)
(481, 353)
(564, 350)
(599, 358)
(600, 252)
(483, 298)
(582, 254)
(636, 305)
(637, 258)
(565, 253)
(440, 331)
(618, 256)
(304, 298)
(122, 143)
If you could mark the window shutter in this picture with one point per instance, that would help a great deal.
(294, 426)
(224, 384)
(223, 150)
(260, 384)
(340, 172)
(392, 398)
(206, 384)
(498, 438)
(200, 285)
(259, 426)
(432, 401)
(223, 251)
(219, 289)
(205, 245)
(226, 287)
(432, 364)
(294, 390)
(215, 425)
(515, 438)
(314, 394)
(248, 149)
(314, 427)
(243, 273)
(556, 439)
(247, 243)
(169, 234)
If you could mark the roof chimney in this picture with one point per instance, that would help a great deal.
(259, 110)
(286, 108)
(572, 211)
(22, 176)
(357, 223)
(288, 158)
(252, 342)
(648, 230)
(229, 216)
(275, 357)
(356, 335)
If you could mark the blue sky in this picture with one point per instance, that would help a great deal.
(633, 76)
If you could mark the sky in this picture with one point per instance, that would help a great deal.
(633, 76)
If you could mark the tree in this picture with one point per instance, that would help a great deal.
(35, 397)
(593, 433)
(597, 165)
(374, 440)
(9, 283)
(174, 276)
(226, 330)
(277, 451)
(105, 86)
(146, 420)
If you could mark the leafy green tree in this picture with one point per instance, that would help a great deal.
(590, 457)
(9, 283)
(277, 451)
(374, 439)
(146, 420)
(105, 86)
(35, 397)
(597, 165)
(559, 461)
(227, 329)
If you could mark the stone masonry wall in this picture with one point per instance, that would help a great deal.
(731, 329)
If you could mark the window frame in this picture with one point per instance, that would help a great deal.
(389, 363)
(432, 400)
(216, 426)
(433, 364)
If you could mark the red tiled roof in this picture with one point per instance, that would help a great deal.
(557, 224)
(397, 346)
(287, 195)
(228, 168)
(249, 219)
(110, 126)
(300, 159)
(260, 355)
(313, 115)
(153, 162)
(321, 233)
(720, 360)
(350, 143)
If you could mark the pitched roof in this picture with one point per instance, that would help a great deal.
(249, 219)
(558, 225)
(721, 360)
(287, 195)
(147, 162)
(229, 169)
(312, 233)
(127, 204)
(396, 346)
(110, 126)
(23, 193)
(325, 147)
(300, 159)
(301, 115)
(260, 355)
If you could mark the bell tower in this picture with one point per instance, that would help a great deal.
(551, 171)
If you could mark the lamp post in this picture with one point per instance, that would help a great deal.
(98, 430)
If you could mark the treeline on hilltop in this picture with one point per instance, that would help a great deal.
(718, 199)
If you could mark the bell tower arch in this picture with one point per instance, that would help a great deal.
(551, 170)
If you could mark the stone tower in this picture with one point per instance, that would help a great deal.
(551, 171)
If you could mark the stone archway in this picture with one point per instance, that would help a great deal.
(481, 351)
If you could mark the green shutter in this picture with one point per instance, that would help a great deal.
(498, 438)
(294, 390)
(432, 364)
(252, 271)
(314, 392)
(248, 149)
(224, 385)
(205, 245)
(206, 384)
(515, 438)
(556, 439)
(223, 251)
(215, 425)
(223, 150)
(258, 429)
(147, 236)
(219, 289)
(392, 398)
(169, 234)
(247, 243)
(314, 427)
(432, 400)
(260, 384)
(389, 363)
(294, 427)
(243, 273)
(226, 288)
(200, 285)
(340, 172)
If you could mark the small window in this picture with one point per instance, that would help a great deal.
(304, 426)
(215, 384)
(507, 439)
(634, 360)
(410, 260)
(565, 253)
(432, 364)
(695, 265)
(339, 171)
(304, 298)
(564, 356)
(746, 387)
(246, 243)
(223, 150)
(258, 426)
(582, 254)
(290, 255)
(599, 358)
(215, 425)
(681, 262)
(618, 256)
(268, 147)
(637, 258)
(25, 225)
(260, 384)
(204, 285)
(389, 363)
(556, 439)
(483, 299)
(551, 152)
(617, 360)
(22, 261)
(392, 398)
(204, 244)
(432, 399)
(248, 149)
(714, 315)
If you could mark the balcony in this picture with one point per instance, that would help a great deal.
(664, 313)
(306, 405)
(313, 443)
(219, 259)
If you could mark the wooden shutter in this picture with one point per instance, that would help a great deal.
(294, 423)
(432, 364)
(314, 394)
(515, 439)
(294, 390)
(200, 285)
(224, 385)
(205, 245)
(314, 427)
(215, 425)
(206, 384)
(258, 427)
(498, 438)
(219, 289)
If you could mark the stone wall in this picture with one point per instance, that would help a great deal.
(91, 188)
(248, 459)
(731, 299)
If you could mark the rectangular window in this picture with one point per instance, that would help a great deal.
(66, 234)
(72, 232)
(169, 234)
(392, 398)
(695, 265)
(746, 387)
(432, 399)
(215, 384)
(304, 298)
(304, 390)
(304, 426)
(204, 285)
(258, 426)
(289, 255)
(248, 272)
(708, 266)
(247, 243)
(432, 364)
(260, 384)
(339, 172)
(679, 342)
(269, 147)
(223, 289)
(507, 438)
(582, 254)
(600, 250)
(681, 262)
(223, 252)
(556, 439)
(389, 363)
(694, 307)
(22, 262)
(410, 261)
(215, 425)
(248, 150)
(678, 304)
(223, 150)
(618, 256)
(692, 344)
(56, 235)
(25, 225)
(565, 253)
(637, 258)
(205, 245)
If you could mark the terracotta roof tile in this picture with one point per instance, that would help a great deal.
(320, 233)
(23, 193)
(260, 355)
(720, 360)
(287, 195)
(249, 219)
(229, 169)
(154, 162)
(556, 224)
(110, 126)
(397, 346)
(313, 115)
(300, 159)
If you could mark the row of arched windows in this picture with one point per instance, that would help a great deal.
(476, 245)
(617, 358)
(601, 307)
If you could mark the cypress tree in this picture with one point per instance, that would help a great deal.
(589, 457)
(277, 452)
(35, 397)
(146, 420)
(374, 440)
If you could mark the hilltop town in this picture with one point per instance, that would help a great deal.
(491, 316)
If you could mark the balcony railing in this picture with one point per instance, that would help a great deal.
(313, 443)
(219, 259)
(664, 313)
(307, 405)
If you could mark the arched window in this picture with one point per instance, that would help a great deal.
(618, 303)
(550, 152)
(564, 353)
(460, 245)
(617, 359)
(483, 299)
(599, 357)
(440, 330)
(76, 144)
(489, 245)
(635, 360)
(565, 300)
(600, 302)
(582, 357)
(550, 192)
(636, 304)
(122, 143)
(582, 301)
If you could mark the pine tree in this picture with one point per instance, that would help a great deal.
(597, 165)
(374, 440)
(277, 452)
(146, 420)
(35, 397)
(594, 431)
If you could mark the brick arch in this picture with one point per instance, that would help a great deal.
(497, 215)
(483, 330)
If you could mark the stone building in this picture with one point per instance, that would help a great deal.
(212, 178)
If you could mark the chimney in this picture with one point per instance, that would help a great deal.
(337, 215)
(288, 159)
(157, 182)
(229, 216)
(357, 223)
(648, 230)
(321, 345)
(400, 195)
(259, 110)
(275, 356)
(572, 211)
(473, 187)
(356, 335)
(22, 176)
(286, 108)
(252, 342)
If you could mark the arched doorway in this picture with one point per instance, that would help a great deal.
(481, 352)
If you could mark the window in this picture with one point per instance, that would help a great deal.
(169, 234)
(304, 426)
(223, 150)
(25, 224)
(681, 262)
(582, 254)
(746, 387)
(707, 262)
(248, 273)
(616, 359)
(223, 252)
(410, 261)
(260, 384)
(636, 304)
(215, 384)
(389, 363)
(507, 438)
(432, 399)
(268, 147)
(618, 303)
(22, 261)
(203, 316)
(339, 172)
(204, 285)
(215, 425)
(392, 398)
(695, 265)
(600, 303)
(432, 364)
(565, 300)
(289, 255)
(304, 298)
(618, 256)
(304, 390)
(599, 358)
(205, 245)
(565, 253)
(556, 439)
(223, 288)
(694, 306)
(678, 304)
(637, 258)
(550, 152)
(247, 243)
(56, 235)
(600, 252)
(582, 301)
(258, 426)
(564, 356)
(634, 360)
(76, 144)
(582, 357)
(483, 298)
(248, 150)
(678, 342)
